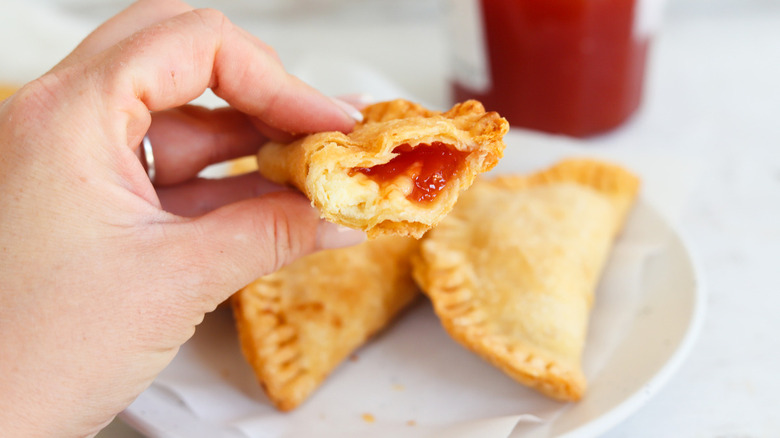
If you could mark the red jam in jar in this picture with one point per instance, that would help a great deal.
(573, 67)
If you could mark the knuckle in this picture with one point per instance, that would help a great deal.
(285, 241)
(288, 235)
(271, 52)
(39, 96)
(212, 18)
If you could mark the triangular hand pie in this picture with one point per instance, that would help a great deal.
(398, 172)
(296, 325)
(512, 270)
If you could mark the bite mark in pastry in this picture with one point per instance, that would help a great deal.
(512, 270)
(399, 171)
(296, 325)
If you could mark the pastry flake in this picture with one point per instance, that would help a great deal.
(399, 171)
(240, 166)
(6, 90)
(512, 270)
(296, 325)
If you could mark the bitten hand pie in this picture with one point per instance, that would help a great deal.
(512, 270)
(398, 172)
(297, 324)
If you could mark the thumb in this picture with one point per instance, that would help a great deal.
(228, 248)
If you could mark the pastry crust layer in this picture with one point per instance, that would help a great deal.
(512, 270)
(320, 165)
(296, 325)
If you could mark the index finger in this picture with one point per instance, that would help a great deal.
(174, 61)
(138, 15)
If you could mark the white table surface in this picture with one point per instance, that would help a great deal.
(713, 94)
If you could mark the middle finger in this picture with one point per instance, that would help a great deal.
(200, 196)
(187, 139)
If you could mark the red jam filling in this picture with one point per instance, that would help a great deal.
(429, 166)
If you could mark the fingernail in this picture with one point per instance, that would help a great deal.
(332, 236)
(348, 109)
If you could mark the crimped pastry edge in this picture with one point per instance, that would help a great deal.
(434, 266)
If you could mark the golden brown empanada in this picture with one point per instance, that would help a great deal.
(512, 270)
(399, 171)
(297, 324)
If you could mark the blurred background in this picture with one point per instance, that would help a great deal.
(405, 40)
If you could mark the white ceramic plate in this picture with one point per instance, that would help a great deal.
(668, 319)
(647, 333)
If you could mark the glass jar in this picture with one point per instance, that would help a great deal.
(572, 67)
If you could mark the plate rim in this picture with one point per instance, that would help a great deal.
(634, 402)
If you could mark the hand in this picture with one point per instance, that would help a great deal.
(100, 282)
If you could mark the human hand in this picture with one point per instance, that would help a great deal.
(100, 282)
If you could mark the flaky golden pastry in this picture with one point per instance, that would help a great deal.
(512, 270)
(398, 172)
(240, 166)
(297, 324)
